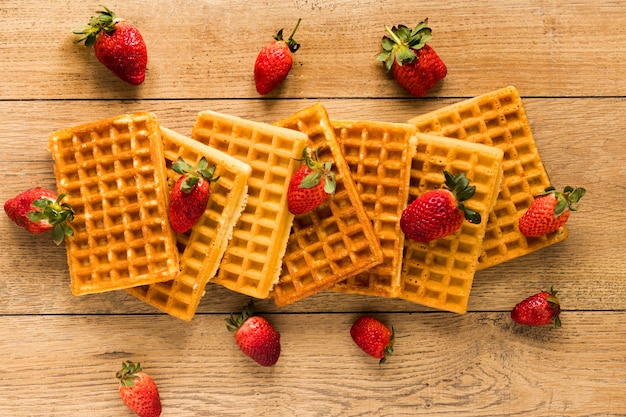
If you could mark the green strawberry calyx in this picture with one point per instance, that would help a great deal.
(193, 175)
(553, 303)
(402, 42)
(235, 321)
(319, 171)
(566, 200)
(104, 21)
(389, 348)
(56, 213)
(462, 191)
(291, 43)
(128, 373)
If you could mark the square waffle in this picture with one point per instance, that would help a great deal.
(201, 249)
(440, 273)
(498, 119)
(253, 259)
(336, 240)
(379, 156)
(114, 174)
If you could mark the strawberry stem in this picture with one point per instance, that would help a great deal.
(291, 43)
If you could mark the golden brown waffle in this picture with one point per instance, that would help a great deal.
(203, 246)
(498, 119)
(334, 241)
(253, 258)
(440, 273)
(114, 174)
(379, 156)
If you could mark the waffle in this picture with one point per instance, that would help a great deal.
(253, 259)
(379, 156)
(203, 246)
(334, 241)
(498, 119)
(440, 273)
(114, 174)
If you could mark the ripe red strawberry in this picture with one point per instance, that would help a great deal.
(39, 210)
(415, 65)
(138, 390)
(274, 61)
(549, 211)
(439, 213)
(373, 337)
(190, 194)
(118, 45)
(538, 309)
(311, 184)
(255, 336)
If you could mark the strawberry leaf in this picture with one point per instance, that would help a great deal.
(235, 321)
(189, 183)
(202, 164)
(575, 197)
(561, 205)
(405, 55)
(311, 180)
(104, 20)
(58, 234)
(470, 215)
(330, 184)
(466, 193)
(181, 167)
(387, 44)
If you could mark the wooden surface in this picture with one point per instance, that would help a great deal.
(59, 353)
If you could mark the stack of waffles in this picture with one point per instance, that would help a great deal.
(117, 173)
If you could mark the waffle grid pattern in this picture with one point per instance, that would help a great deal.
(203, 246)
(334, 241)
(112, 171)
(440, 273)
(379, 156)
(253, 258)
(498, 119)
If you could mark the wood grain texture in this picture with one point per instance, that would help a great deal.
(567, 60)
(545, 48)
(439, 368)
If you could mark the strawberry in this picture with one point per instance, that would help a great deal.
(138, 390)
(255, 336)
(311, 184)
(538, 309)
(39, 210)
(439, 213)
(274, 61)
(549, 211)
(415, 65)
(190, 194)
(118, 45)
(373, 337)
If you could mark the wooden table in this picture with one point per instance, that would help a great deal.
(59, 353)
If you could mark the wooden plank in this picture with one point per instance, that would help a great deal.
(207, 49)
(480, 364)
